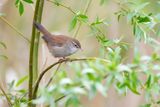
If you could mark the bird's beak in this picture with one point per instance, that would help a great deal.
(81, 49)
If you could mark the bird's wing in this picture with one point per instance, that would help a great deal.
(58, 40)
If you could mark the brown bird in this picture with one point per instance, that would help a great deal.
(59, 45)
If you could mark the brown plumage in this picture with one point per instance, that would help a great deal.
(67, 45)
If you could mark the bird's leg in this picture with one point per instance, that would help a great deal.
(60, 59)
(63, 59)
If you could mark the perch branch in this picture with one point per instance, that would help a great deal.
(59, 62)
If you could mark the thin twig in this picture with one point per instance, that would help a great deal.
(14, 28)
(45, 63)
(85, 11)
(58, 99)
(7, 98)
(71, 10)
(64, 6)
(50, 80)
(59, 62)
(62, 61)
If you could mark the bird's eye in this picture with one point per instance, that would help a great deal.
(76, 46)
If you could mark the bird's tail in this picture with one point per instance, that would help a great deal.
(41, 29)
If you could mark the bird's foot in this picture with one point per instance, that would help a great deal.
(63, 59)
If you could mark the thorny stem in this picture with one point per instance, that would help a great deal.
(14, 28)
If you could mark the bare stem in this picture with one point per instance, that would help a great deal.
(33, 60)
(62, 5)
(14, 28)
(7, 98)
(50, 80)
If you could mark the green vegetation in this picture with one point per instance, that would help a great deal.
(98, 74)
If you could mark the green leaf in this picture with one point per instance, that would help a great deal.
(73, 23)
(66, 81)
(118, 17)
(97, 22)
(139, 32)
(101, 88)
(3, 56)
(134, 90)
(17, 2)
(146, 105)
(28, 1)
(11, 85)
(82, 17)
(78, 90)
(149, 81)
(21, 8)
(3, 45)
(143, 19)
(72, 102)
(20, 81)
(22, 91)
(102, 2)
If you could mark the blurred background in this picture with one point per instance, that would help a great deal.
(57, 19)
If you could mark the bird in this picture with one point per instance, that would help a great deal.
(60, 46)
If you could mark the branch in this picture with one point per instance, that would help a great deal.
(85, 11)
(14, 28)
(59, 62)
(33, 60)
(71, 10)
(7, 98)
(50, 80)
(64, 6)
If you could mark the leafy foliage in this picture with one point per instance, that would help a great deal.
(143, 23)
(78, 17)
(111, 69)
(19, 4)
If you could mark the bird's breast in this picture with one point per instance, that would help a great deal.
(61, 51)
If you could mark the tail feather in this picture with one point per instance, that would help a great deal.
(46, 38)
(41, 28)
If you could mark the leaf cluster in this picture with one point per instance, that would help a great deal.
(20, 5)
